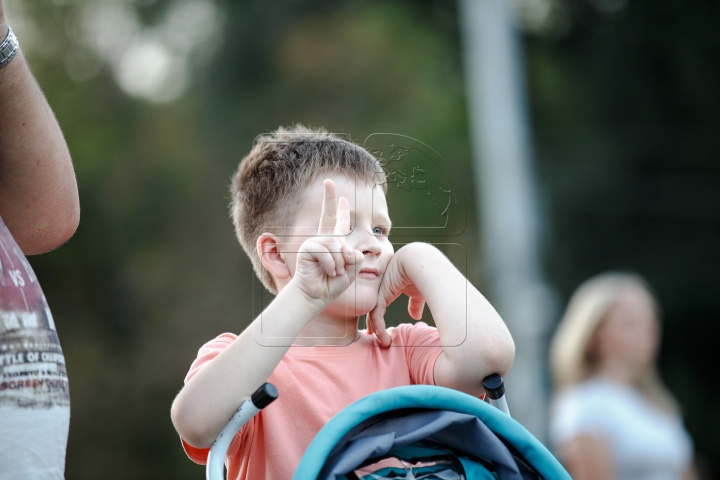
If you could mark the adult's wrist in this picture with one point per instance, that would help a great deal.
(9, 46)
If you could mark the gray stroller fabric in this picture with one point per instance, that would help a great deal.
(458, 431)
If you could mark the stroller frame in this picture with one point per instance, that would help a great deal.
(267, 393)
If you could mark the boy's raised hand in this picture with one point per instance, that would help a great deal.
(395, 282)
(326, 265)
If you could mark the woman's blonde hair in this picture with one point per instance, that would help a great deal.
(570, 359)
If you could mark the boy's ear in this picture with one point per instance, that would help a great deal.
(267, 249)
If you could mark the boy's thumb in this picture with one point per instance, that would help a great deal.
(354, 257)
(359, 259)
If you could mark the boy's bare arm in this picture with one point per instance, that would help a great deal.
(475, 340)
(208, 400)
(38, 192)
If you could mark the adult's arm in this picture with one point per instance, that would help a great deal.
(691, 473)
(38, 192)
(587, 458)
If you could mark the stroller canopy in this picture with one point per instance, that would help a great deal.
(425, 432)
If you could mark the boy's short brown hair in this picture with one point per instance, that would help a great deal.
(267, 186)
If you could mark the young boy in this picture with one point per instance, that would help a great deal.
(310, 211)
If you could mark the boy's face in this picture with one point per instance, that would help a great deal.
(369, 228)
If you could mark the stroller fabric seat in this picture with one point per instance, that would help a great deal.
(425, 432)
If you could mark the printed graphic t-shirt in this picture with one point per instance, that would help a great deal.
(315, 383)
(34, 396)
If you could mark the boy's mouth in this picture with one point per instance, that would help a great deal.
(368, 273)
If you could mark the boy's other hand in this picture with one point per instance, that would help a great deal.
(394, 283)
(326, 265)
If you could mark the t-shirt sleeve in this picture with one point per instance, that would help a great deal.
(577, 412)
(206, 353)
(422, 348)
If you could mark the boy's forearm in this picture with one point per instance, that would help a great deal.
(475, 340)
(209, 399)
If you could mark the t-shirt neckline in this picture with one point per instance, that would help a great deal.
(363, 342)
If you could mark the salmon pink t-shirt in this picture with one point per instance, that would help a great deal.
(315, 383)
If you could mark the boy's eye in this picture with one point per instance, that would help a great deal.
(378, 231)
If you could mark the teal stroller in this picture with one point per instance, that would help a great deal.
(417, 432)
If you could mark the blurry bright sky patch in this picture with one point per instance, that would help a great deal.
(151, 62)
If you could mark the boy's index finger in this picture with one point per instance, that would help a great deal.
(328, 218)
(342, 227)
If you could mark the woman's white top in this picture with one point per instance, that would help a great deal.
(645, 442)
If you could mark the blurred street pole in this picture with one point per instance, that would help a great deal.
(507, 199)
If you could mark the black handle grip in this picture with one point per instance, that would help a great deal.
(264, 396)
(494, 386)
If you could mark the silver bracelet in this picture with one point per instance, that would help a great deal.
(8, 48)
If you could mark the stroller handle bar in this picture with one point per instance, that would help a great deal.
(495, 391)
(267, 393)
(263, 396)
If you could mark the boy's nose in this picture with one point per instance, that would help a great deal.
(369, 244)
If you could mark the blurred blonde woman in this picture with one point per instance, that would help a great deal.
(612, 417)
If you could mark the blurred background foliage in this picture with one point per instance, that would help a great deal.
(160, 99)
